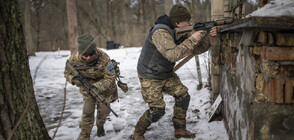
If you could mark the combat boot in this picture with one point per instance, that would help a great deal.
(100, 131)
(137, 136)
(184, 134)
(84, 136)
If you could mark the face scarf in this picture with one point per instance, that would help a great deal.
(94, 59)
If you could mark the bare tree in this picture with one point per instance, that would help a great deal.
(20, 117)
(107, 20)
(194, 17)
(125, 25)
(37, 6)
(167, 5)
(142, 14)
(153, 11)
(27, 29)
(72, 25)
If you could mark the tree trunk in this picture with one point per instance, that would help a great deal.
(167, 5)
(17, 98)
(72, 25)
(109, 20)
(112, 21)
(37, 7)
(194, 17)
(27, 29)
(199, 86)
(153, 10)
(142, 13)
(125, 25)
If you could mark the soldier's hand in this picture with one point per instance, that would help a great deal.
(76, 81)
(199, 35)
(213, 31)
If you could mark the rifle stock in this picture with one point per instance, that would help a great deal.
(185, 60)
(93, 91)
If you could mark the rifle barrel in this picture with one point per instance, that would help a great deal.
(224, 21)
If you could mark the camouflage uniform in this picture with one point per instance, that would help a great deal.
(154, 83)
(101, 75)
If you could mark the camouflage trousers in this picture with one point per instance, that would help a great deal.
(87, 122)
(152, 92)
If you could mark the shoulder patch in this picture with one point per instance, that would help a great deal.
(111, 69)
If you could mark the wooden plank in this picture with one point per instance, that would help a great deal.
(262, 37)
(277, 89)
(273, 90)
(286, 70)
(217, 9)
(289, 91)
(214, 108)
(277, 53)
(283, 39)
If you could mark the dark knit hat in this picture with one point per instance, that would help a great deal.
(86, 44)
(179, 13)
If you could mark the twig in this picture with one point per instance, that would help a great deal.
(64, 101)
(37, 68)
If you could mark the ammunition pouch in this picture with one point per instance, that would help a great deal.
(121, 85)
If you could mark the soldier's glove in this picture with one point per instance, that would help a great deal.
(122, 86)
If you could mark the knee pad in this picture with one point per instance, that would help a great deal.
(184, 101)
(156, 114)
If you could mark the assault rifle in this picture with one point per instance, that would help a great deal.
(93, 90)
(182, 32)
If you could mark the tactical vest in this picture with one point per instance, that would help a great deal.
(151, 63)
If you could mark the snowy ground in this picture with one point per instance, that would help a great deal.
(47, 72)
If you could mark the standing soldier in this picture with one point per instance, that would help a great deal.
(155, 70)
(96, 67)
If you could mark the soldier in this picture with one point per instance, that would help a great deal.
(96, 67)
(155, 70)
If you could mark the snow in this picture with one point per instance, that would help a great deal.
(49, 83)
(254, 2)
(275, 8)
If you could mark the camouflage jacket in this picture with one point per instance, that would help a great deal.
(101, 75)
(164, 43)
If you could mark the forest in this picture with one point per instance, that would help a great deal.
(251, 68)
(125, 22)
(30, 26)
